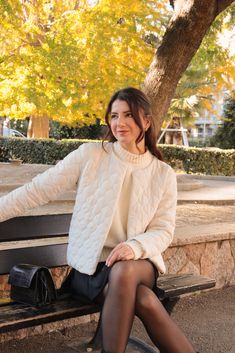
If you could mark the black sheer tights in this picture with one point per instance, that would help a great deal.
(129, 293)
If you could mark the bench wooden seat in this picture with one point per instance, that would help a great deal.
(15, 316)
(172, 286)
(42, 240)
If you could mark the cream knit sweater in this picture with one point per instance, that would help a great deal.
(118, 230)
(100, 176)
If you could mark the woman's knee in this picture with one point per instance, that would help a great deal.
(122, 273)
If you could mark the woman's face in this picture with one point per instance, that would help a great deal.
(124, 127)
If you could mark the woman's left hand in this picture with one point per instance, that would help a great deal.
(121, 252)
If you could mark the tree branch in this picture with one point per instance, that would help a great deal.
(183, 36)
(76, 6)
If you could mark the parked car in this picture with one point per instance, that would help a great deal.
(11, 133)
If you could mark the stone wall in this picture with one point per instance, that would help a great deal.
(215, 259)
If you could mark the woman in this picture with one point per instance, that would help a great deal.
(123, 220)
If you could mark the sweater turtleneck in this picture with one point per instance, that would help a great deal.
(118, 230)
(141, 160)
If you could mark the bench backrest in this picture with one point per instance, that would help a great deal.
(40, 240)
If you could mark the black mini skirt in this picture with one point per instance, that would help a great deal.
(85, 287)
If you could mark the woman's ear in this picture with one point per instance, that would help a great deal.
(147, 124)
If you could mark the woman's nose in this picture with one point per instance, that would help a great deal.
(121, 120)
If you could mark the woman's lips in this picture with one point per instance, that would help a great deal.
(122, 132)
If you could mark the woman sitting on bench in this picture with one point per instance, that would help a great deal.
(123, 219)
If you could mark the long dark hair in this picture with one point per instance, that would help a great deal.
(136, 101)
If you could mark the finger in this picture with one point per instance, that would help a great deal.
(118, 253)
(110, 256)
(117, 248)
(121, 252)
(112, 259)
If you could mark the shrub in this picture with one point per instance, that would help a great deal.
(40, 151)
(211, 161)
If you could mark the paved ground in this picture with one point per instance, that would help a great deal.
(207, 319)
(210, 190)
(191, 188)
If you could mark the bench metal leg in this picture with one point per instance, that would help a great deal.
(169, 304)
(96, 342)
(94, 345)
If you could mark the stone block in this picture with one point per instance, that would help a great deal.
(59, 274)
(190, 268)
(3, 279)
(169, 253)
(194, 252)
(208, 260)
(217, 262)
(225, 264)
(177, 261)
(232, 246)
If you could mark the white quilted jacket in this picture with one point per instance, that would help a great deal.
(99, 177)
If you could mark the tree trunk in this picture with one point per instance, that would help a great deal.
(1, 125)
(184, 34)
(38, 127)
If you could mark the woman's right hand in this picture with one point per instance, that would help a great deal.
(121, 252)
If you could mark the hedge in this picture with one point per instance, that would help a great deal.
(39, 151)
(210, 161)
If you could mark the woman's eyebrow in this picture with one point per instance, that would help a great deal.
(128, 111)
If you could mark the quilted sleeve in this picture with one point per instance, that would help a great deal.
(160, 231)
(43, 188)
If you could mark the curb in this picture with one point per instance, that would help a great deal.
(209, 177)
(207, 202)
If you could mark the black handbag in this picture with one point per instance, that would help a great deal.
(31, 284)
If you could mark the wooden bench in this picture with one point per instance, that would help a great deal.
(42, 240)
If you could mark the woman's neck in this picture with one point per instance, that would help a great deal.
(134, 148)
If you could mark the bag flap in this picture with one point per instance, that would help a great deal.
(22, 275)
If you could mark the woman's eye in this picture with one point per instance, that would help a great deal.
(128, 115)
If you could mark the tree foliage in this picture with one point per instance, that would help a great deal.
(225, 135)
(210, 73)
(64, 59)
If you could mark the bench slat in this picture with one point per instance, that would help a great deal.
(32, 227)
(175, 285)
(49, 256)
(18, 316)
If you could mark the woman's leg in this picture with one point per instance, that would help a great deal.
(162, 330)
(128, 293)
(119, 304)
